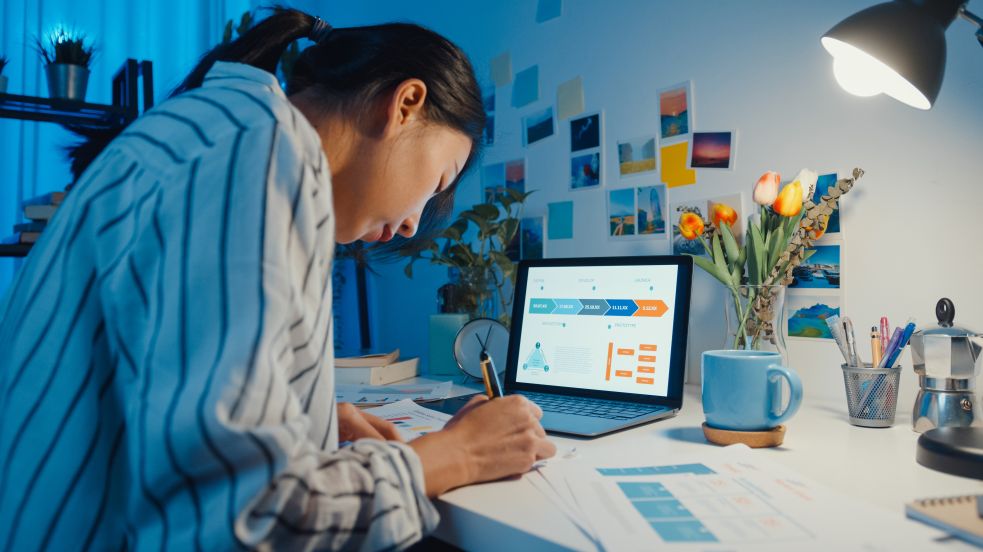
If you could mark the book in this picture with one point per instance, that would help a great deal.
(50, 198)
(39, 212)
(960, 516)
(33, 226)
(380, 359)
(22, 237)
(378, 375)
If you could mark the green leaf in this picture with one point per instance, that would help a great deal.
(718, 254)
(712, 269)
(408, 269)
(488, 211)
(451, 233)
(778, 243)
(758, 257)
(730, 246)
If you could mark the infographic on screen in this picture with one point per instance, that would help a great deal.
(602, 327)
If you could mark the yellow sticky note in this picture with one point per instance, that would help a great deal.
(570, 98)
(674, 161)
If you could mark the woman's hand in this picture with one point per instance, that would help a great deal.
(486, 440)
(353, 424)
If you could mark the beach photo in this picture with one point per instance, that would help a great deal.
(807, 315)
(651, 209)
(636, 156)
(712, 150)
(823, 183)
(820, 271)
(695, 211)
(538, 126)
(675, 110)
(515, 175)
(585, 132)
(531, 238)
(585, 171)
(621, 212)
(727, 210)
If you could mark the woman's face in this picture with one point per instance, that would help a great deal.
(394, 163)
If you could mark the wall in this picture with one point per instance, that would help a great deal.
(912, 227)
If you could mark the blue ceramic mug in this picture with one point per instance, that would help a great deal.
(742, 390)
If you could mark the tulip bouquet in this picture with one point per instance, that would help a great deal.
(778, 239)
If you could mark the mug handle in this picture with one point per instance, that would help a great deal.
(795, 400)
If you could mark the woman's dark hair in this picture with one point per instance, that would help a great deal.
(350, 69)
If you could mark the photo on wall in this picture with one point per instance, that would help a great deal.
(688, 221)
(621, 212)
(676, 110)
(585, 171)
(650, 202)
(820, 271)
(585, 132)
(492, 182)
(538, 126)
(823, 183)
(586, 151)
(729, 210)
(712, 150)
(531, 242)
(515, 175)
(806, 315)
(636, 156)
(488, 137)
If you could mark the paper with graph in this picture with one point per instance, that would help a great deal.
(411, 419)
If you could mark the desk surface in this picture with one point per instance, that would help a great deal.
(873, 465)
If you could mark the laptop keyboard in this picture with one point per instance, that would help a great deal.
(597, 408)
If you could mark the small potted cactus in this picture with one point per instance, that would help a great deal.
(3, 79)
(67, 55)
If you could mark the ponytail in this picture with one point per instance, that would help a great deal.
(261, 46)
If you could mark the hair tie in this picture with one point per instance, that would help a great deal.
(320, 30)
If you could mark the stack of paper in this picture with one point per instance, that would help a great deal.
(361, 395)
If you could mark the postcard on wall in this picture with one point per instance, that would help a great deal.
(729, 210)
(501, 69)
(636, 156)
(496, 177)
(713, 150)
(548, 9)
(674, 170)
(570, 98)
(525, 88)
(688, 221)
(621, 212)
(586, 151)
(822, 270)
(806, 314)
(650, 207)
(531, 242)
(676, 110)
(559, 220)
(538, 126)
(834, 230)
(488, 137)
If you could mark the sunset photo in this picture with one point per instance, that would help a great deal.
(712, 150)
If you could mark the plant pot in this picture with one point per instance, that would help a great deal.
(3, 84)
(66, 81)
(756, 320)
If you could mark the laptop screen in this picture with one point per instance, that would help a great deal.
(608, 328)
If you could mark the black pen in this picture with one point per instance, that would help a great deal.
(493, 387)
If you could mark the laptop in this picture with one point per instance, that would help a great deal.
(600, 343)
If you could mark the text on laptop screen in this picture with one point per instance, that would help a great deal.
(607, 328)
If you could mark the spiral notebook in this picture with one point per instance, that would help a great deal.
(960, 516)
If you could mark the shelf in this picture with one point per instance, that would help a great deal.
(15, 250)
(65, 112)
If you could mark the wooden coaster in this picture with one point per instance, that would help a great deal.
(754, 439)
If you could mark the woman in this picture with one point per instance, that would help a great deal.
(165, 352)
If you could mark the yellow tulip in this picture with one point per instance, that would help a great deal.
(789, 202)
(723, 213)
(766, 189)
(691, 225)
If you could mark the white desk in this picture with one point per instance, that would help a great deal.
(873, 465)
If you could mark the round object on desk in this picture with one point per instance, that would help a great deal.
(468, 344)
(773, 437)
(953, 450)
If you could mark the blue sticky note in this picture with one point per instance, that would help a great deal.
(560, 220)
(548, 9)
(525, 87)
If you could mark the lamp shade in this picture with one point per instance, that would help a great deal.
(896, 48)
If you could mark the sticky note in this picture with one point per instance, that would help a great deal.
(560, 220)
(674, 165)
(501, 69)
(570, 98)
(525, 89)
(548, 9)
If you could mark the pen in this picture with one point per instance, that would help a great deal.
(895, 337)
(851, 341)
(835, 330)
(875, 347)
(885, 335)
(905, 336)
(493, 387)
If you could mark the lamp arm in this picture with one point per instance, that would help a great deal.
(974, 19)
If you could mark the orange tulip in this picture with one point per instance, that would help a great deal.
(691, 225)
(766, 189)
(723, 213)
(789, 202)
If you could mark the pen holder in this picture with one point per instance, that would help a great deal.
(871, 394)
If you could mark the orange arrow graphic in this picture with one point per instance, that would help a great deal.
(650, 307)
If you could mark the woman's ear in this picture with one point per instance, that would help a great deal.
(406, 104)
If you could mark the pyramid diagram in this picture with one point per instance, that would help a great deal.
(536, 360)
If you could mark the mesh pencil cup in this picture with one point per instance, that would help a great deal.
(871, 394)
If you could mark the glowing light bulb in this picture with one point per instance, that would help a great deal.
(862, 74)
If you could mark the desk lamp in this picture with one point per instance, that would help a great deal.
(896, 48)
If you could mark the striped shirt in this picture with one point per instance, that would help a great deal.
(166, 371)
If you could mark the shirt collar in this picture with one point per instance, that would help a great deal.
(222, 70)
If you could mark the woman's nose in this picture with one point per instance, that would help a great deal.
(408, 228)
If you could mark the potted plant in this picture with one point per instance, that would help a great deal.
(484, 266)
(3, 79)
(67, 55)
(778, 240)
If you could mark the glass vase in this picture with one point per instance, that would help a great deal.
(755, 319)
